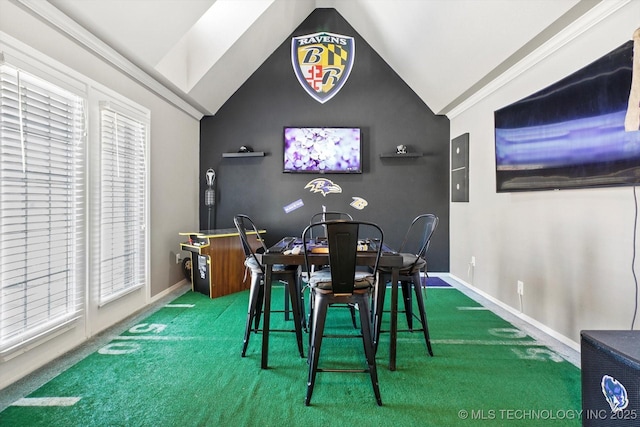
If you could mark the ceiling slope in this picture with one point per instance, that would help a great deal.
(203, 50)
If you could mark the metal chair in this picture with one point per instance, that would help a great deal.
(288, 274)
(341, 283)
(413, 250)
(317, 233)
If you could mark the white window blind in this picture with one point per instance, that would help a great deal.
(123, 202)
(42, 212)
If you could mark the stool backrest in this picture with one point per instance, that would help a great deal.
(326, 216)
(418, 237)
(246, 227)
(343, 240)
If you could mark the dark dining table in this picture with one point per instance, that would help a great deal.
(281, 253)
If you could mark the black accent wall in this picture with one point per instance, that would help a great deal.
(374, 98)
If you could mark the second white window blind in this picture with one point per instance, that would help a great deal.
(123, 203)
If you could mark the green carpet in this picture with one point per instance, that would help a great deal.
(181, 366)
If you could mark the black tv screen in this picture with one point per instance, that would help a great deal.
(571, 134)
(322, 150)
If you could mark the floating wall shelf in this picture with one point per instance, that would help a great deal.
(250, 154)
(399, 156)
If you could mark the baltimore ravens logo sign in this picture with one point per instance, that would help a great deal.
(322, 63)
(323, 186)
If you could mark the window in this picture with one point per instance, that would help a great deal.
(123, 201)
(42, 214)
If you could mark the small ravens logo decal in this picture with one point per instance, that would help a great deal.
(359, 203)
(615, 393)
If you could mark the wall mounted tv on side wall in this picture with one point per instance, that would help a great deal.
(571, 134)
(322, 150)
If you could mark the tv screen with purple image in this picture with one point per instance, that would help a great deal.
(322, 150)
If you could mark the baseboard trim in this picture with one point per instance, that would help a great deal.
(527, 319)
(157, 297)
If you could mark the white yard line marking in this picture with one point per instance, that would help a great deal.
(157, 338)
(46, 401)
(180, 305)
(167, 338)
(488, 342)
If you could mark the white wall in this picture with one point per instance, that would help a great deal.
(571, 248)
(174, 183)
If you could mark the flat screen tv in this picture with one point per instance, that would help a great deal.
(571, 134)
(322, 150)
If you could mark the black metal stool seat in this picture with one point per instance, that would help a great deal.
(413, 249)
(288, 274)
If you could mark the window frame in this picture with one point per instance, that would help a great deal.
(93, 316)
(44, 183)
(110, 105)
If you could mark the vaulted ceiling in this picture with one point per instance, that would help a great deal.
(203, 50)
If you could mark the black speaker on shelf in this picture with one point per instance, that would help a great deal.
(610, 378)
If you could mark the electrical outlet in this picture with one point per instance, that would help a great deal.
(520, 287)
(473, 261)
(178, 258)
